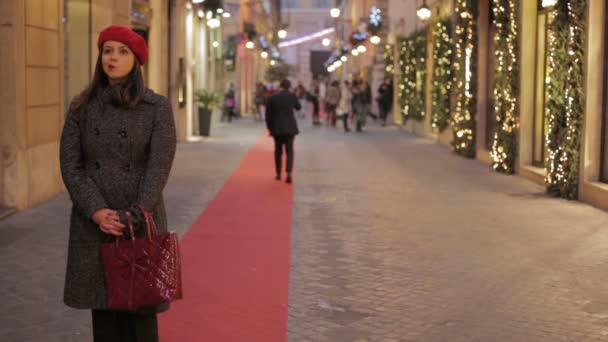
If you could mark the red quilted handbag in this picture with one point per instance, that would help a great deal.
(142, 272)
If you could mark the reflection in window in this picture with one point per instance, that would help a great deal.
(322, 3)
(290, 3)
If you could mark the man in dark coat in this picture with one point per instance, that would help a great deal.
(282, 126)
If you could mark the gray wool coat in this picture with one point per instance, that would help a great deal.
(111, 158)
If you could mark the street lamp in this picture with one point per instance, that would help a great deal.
(215, 44)
(334, 12)
(326, 42)
(375, 40)
(264, 54)
(424, 12)
(282, 34)
(549, 3)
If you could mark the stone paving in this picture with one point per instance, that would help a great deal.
(394, 239)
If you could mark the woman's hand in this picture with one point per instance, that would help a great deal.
(108, 221)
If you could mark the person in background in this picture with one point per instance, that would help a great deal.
(322, 92)
(300, 92)
(116, 151)
(283, 127)
(260, 90)
(313, 97)
(385, 99)
(332, 100)
(345, 105)
(230, 102)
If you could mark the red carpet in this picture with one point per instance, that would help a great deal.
(235, 260)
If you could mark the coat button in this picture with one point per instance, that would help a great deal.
(123, 133)
(96, 131)
(97, 166)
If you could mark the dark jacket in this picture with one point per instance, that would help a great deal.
(111, 158)
(279, 113)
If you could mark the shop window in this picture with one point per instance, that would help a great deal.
(545, 17)
(604, 140)
(322, 3)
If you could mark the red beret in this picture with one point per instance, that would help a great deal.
(130, 38)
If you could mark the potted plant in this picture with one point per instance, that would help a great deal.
(206, 101)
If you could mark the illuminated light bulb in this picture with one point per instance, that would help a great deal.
(264, 54)
(226, 15)
(200, 13)
(549, 3)
(282, 34)
(375, 40)
(272, 62)
(220, 10)
(355, 52)
(215, 44)
(326, 42)
(424, 12)
(249, 45)
(214, 23)
(343, 58)
(334, 12)
(361, 48)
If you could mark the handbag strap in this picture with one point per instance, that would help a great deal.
(129, 225)
(150, 224)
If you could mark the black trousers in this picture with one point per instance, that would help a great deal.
(119, 326)
(280, 141)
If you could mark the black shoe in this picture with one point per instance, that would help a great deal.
(288, 179)
(277, 177)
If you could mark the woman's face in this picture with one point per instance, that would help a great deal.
(117, 60)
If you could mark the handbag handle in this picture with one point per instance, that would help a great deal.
(150, 224)
(130, 225)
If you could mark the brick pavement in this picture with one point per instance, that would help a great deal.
(397, 239)
(393, 239)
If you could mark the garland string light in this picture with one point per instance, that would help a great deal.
(389, 60)
(465, 67)
(442, 74)
(412, 63)
(506, 86)
(565, 97)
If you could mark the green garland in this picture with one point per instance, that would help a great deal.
(506, 86)
(389, 60)
(565, 98)
(412, 62)
(442, 74)
(465, 90)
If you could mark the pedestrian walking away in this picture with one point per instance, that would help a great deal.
(116, 151)
(230, 103)
(283, 127)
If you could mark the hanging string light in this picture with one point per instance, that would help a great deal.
(442, 74)
(565, 97)
(506, 85)
(465, 67)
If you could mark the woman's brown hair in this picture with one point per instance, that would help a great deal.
(127, 93)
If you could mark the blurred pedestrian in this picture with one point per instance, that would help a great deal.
(116, 150)
(332, 100)
(385, 99)
(283, 127)
(313, 97)
(345, 105)
(260, 90)
(230, 102)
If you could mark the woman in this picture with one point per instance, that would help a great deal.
(117, 148)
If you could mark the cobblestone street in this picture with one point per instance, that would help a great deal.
(394, 239)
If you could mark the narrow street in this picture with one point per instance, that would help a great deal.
(393, 238)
